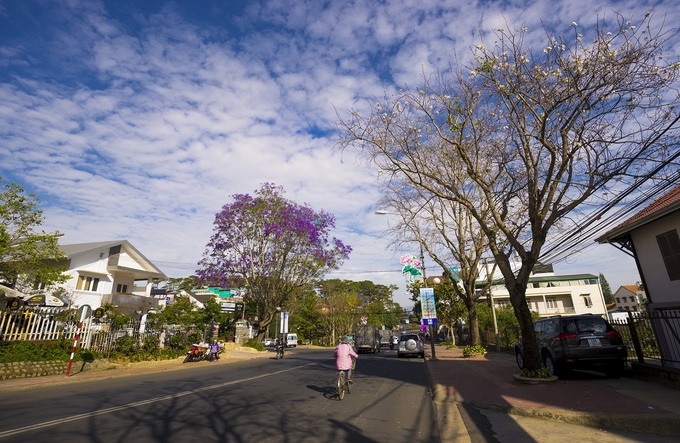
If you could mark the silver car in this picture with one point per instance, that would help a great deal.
(411, 343)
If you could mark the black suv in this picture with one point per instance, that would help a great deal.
(578, 342)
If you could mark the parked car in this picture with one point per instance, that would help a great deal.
(411, 343)
(268, 342)
(577, 342)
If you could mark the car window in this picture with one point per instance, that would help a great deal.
(538, 327)
(570, 327)
(591, 325)
(550, 326)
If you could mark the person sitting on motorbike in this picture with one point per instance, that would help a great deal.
(214, 351)
(344, 355)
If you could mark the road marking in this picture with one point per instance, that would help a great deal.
(137, 404)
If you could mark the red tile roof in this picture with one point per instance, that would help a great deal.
(659, 207)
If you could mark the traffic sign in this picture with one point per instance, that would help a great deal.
(84, 312)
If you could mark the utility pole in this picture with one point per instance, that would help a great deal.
(432, 330)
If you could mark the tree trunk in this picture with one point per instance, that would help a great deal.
(532, 357)
(473, 321)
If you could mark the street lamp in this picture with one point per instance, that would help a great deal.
(278, 321)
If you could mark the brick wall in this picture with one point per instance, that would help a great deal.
(31, 369)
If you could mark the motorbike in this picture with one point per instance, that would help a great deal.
(394, 341)
(196, 353)
(279, 351)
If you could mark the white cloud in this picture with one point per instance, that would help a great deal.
(141, 126)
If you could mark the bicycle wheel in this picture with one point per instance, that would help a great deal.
(341, 385)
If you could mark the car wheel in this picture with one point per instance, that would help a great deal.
(519, 358)
(550, 364)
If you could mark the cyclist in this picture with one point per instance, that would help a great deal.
(343, 356)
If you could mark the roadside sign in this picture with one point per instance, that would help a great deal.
(228, 306)
(84, 312)
(13, 304)
(428, 306)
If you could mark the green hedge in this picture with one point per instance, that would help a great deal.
(27, 351)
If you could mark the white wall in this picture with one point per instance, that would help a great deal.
(659, 288)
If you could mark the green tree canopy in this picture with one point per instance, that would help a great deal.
(273, 246)
(28, 255)
(606, 290)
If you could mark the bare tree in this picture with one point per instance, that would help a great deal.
(449, 234)
(540, 134)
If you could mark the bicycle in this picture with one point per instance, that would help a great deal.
(343, 382)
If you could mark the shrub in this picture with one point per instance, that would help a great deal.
(177, 341)
(151, 343)
(535, 373)
(126, 345)
(53, 350)
(471, 351)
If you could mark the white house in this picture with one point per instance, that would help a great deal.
(550, 294)
(630, 298)
(651, 238)
(111, 272)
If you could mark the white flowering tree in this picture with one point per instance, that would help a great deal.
(539, 134)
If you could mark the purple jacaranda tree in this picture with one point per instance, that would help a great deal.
(272, 247)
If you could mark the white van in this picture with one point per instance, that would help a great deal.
(291, 340)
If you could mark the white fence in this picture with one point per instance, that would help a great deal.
(38, 324)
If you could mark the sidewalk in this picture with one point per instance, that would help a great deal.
(487, 382)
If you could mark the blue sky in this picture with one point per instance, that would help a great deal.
(139, 119)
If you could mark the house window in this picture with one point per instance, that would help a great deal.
(587, 300)
(121, 288)
(551, 302)
(85, 283)
(669, 245)
(618, 300)
(632, 299)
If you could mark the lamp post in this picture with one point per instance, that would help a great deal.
(278, 322)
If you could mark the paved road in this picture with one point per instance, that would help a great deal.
(263, 400)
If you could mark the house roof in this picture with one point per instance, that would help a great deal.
(662, 206)
(631, 288)
(546, 278)
(77, 249)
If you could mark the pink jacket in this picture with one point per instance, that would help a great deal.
(343, 356)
